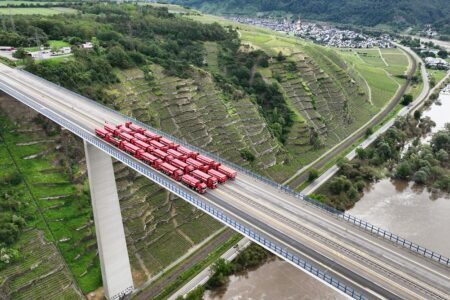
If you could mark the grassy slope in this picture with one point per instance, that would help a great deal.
(54, 221)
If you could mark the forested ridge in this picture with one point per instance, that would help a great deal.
(362, 12)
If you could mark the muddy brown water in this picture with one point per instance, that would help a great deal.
(406, 209)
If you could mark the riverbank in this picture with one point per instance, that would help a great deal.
(414, 149)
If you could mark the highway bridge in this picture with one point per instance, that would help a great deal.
(356, 258)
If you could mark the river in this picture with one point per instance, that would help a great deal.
(406, 209)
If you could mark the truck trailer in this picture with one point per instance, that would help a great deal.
(222, 178)
(208, 161)
(152, 135)
(158, 145)
(168, 143)
(197, 165)
(210, 181)
(227, 171)
(177, 154)
(163, 155)
(126, 137)
(134, 127)
(183, 166)
(102, 132)
(187, 152)
(194, 183)
(150, 159)
(172, 171)
(143, 145)
(130, 148)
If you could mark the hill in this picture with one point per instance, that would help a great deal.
(361, 12)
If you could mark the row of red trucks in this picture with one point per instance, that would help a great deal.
(195, 170)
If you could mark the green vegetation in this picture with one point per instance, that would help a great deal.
(380, 160)
(362, 12)
(407, 99)
(36, 194)
(252, 256)
(37, 11)
(197, 268)
(359, 88)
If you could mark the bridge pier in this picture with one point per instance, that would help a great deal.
(112, 247)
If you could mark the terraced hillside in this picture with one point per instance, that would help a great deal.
(54, 244)
(160, 228)
(331, 92)
(194, 109)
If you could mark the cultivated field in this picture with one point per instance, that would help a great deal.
(46, 11)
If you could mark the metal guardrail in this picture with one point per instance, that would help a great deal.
(216, 213)
(339, 214)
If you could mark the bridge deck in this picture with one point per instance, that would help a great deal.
(372, 265)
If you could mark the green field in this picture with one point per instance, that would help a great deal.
(37, 11)
(52, 43)
(17, 3)
(380, 74)
(60, 206)
(437, 74)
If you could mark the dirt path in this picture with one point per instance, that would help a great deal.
(382, 58)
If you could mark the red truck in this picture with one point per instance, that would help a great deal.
(125, 129)
(194, 183)
(141, 137)
(163, 155)
(111, 139)
(177, 154)
(130, 148)
(168, 143)
(172, 171)
(184, 166)
(111, 128)
(197, 165)
(227, 171)
(125, 136)
(134, 127)
(143, 145)
(152, 135)
(158, 145)
(150, 159)
(220, 177)
(210, 181)
(103, 133)
(187, 152)
(207, 161)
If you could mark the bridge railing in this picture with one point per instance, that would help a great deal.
(188, 196)
(344, 216)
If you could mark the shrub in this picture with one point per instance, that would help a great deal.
(420, 177)
(407, 99)
(404, 170)
(313, 175)
(247, 155)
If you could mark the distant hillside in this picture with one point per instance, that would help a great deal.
(363, 12)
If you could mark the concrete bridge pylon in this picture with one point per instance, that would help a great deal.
(112, 246)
